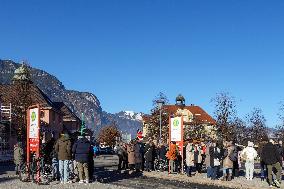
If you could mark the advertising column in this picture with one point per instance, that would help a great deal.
(176, 134)
(33, 135)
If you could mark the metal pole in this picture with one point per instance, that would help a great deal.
(160, 125)
(10, 121)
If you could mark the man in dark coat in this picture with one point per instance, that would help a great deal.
(81, 149)
(271, 157)
(281, 151)
(149, 150)
(162, 152)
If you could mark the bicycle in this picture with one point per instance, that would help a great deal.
(160, 165)
(28, 172)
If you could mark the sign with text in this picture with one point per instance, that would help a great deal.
(176, 129)
(33, 129)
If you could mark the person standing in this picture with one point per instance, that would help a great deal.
(172, 156)
(131, 155)
(148, 156)
(281, 151)
(63, 149)
(230, 156)
(198, 157)
(249, 154)
(189, 158)
(215, 154)
(138, 157)
(18, 157)
(263, 167)
(208, 162)
(81, 149)
(271, 157)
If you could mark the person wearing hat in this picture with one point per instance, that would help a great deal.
(249, 154)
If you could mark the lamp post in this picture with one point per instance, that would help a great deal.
(160, 104)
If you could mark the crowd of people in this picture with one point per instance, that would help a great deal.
(218, 160)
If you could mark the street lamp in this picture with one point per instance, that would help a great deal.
(160, 104)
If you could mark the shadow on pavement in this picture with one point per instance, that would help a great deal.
(4, 169)
(109, 176)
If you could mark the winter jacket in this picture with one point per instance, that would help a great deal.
(47, 150)
(214, 156)
(131, 154)
(189, 155)
(96, 150)
(148, 153)
(172, 153)
(198, 152)
(18, 155)
(162, 152)
(81, 149)
(207, 157)
(270, 154)
(227, 162)
(280, 150)
(138, 154)
(249, 154)
(63, 148)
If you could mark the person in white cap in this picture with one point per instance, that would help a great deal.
(249, 154)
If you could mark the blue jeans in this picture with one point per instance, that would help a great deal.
(188, 170)
(209, 172)
(64, 170)
(230, 170)
(263, 172)
(55, 171)
(214, 172)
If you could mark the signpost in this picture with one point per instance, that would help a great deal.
(176, 134)
(33, 134)
(140, 135)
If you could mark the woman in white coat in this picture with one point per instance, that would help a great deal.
(189, 157)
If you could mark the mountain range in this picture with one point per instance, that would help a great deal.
(78, 102)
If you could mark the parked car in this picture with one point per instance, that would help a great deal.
(106, 159)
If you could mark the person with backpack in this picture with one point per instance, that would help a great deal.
(249, 154)
(230, 155)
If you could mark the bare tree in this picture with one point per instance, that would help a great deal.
(238, 131)
(257, 130)
(280, 127)
(224, 114)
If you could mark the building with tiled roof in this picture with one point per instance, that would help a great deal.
(70, 120)
(192, 115)
(53, 115)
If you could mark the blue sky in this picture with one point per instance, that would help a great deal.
(126, 51)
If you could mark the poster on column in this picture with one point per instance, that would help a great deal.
(176, 129)
(33, 129)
